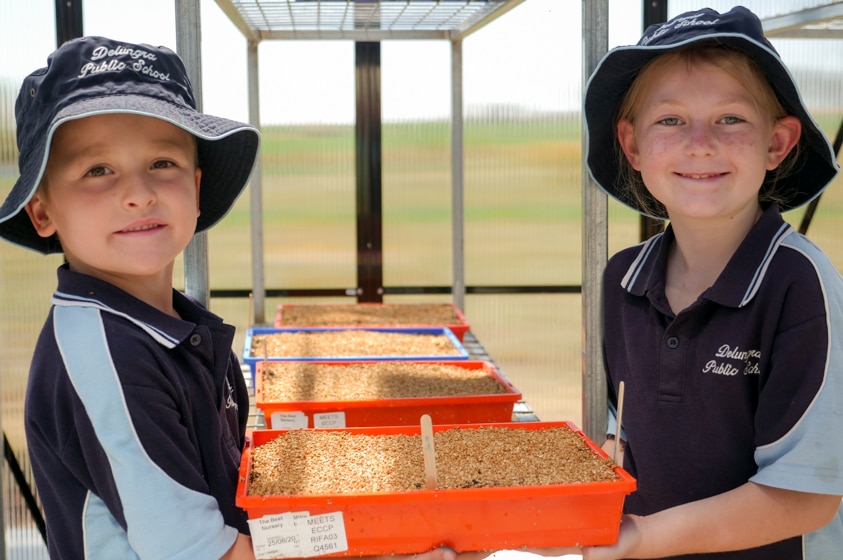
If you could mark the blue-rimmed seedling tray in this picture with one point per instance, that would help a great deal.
(459, 351)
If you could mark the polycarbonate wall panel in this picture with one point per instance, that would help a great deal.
(26, 279)
(523, 205)
(307, 108)
(536, 340)
(523, 228)
(417, 204)
(416, 163)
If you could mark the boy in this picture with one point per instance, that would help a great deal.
(136, 407)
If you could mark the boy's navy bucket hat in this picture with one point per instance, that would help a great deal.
(95, 76)
(739, 29)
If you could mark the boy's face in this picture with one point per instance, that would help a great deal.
(122, 193)
(702, 143)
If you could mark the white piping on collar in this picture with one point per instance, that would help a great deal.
(64, 299)
(761, 271)
(634, 270)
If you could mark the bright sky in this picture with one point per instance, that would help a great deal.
(529, 56)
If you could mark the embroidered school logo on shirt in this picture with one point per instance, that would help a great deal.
(229, 401)
(731, 361)
(121, 59)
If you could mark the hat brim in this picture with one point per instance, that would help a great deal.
(227, 153)
(614, 75)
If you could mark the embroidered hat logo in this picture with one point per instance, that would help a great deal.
(139, 64)
(677, 24)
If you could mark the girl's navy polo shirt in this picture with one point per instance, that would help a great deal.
(742, 385)
(135, 422)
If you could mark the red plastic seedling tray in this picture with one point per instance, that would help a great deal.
(491, 518)
(459, 328)
(466, 409)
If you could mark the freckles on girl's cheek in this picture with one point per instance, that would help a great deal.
(658, 149)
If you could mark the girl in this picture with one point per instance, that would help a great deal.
(726, 328)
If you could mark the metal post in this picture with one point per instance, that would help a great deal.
(68, 20)
(595, 33)
(457, 175)
(189, 47)
(368, 159)
(256, 190)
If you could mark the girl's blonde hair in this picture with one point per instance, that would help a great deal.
(736, 64)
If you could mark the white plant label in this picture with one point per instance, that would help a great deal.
(329, 420)
(288, 420)
(298, 535)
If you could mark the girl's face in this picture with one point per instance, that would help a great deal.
(702, 144)
(122, 193)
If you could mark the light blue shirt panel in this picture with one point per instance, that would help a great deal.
(613, 423)
(156, 530)
(104, 537)
(792, 461)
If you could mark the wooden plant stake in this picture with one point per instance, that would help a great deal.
(429, 452)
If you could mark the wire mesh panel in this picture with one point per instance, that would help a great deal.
(336, 18)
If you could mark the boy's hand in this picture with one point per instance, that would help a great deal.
(442, 553)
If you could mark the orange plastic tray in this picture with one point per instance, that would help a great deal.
(464, 519)
(392, 412)
(459, 328)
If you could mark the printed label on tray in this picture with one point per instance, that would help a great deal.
(325, 534)
(329, 420)
(298, 535)
(277, 536)
(288, 420)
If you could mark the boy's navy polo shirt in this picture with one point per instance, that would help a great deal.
(744, 384)
(135, 419)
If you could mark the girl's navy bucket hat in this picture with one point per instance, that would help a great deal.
(739, 29)
(97, 75)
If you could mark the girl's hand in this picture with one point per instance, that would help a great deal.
(629, 538)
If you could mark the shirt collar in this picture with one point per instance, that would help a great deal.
(738, 282)
(75, 289)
